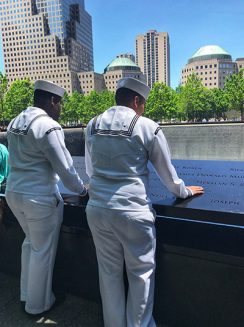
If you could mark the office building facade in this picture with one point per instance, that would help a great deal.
(122, 66)
(46, 39)
(212, 64)
(240, 64)
(91, 81)
(153, 56)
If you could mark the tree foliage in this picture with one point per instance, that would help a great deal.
(71, 108)
(96, 103)
(3, 90)
(195, 99)
(192, 102)
(18, 97)
(219, 103)
(234, 90)
(161, 103)
(77, 108)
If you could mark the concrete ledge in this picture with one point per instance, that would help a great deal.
(191, 142)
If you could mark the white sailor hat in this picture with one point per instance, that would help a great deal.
(49, 87)
(134, 85)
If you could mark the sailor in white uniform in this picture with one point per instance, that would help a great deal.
(37, 156)
(119, 144)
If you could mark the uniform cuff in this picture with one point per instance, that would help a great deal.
(190, 193)
(84, 192)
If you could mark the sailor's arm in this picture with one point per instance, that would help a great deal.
(160, 157)
(87, 150)
(58, 155)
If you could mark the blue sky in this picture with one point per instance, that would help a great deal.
(190, 24)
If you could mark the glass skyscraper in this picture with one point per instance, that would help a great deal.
(49, 39)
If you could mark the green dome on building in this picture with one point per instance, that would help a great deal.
(209, 52)
(120, 63)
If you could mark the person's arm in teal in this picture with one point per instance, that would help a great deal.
(4, 166)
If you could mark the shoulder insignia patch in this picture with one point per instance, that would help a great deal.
(53, 129)
(157, 130)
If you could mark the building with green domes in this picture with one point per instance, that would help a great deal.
(212, 64)
(122, 66)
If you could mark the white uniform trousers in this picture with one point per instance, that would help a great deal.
(125, 236)
(40, 218)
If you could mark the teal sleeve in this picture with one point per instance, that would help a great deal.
(4, 167)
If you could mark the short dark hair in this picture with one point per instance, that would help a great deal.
(124, 96)
(41, 96)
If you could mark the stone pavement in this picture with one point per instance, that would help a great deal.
(74, 312)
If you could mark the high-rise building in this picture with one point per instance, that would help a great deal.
(153, 56)
(212, 64)
(46, 39)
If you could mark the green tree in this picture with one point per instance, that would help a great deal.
(18, 97)
(78, 108)
(195, 99)
(107, 100)
(161, 103)
(234, 88)
(219, 103)
(95, 103)
(91, 106)
(180, 103)
(71, 108)
(3, 90)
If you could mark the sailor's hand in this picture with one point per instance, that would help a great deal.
(195, 190)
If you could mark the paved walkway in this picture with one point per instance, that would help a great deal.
(74, 312)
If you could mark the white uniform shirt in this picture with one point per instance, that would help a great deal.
(37, 153)
(119, 144)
